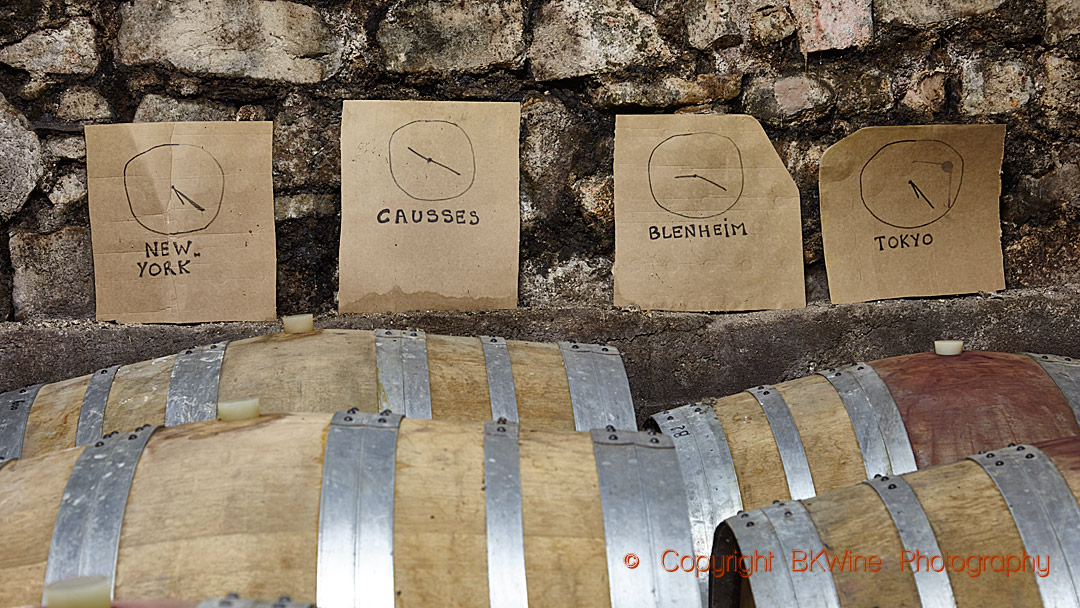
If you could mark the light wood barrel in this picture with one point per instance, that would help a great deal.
(261, 507)
(951, 535)
(841, 426)
(546, 386)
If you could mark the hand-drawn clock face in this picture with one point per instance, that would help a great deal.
(911, 183)
(432, 160)
(174, 188)
(696, 175)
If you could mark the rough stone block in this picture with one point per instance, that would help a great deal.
(832, 24)
(928, 12)
(307, 253)
(54, 274)
(552, 134)
(710, 23)
(575, 282)
(83, 104)
(67, 50)
(71, 148)
(155, 108)
(596, 196)
(788, 99)
(259, 39)
(441, 36)
(70, 188)
(581, 37)
(926, 93)
(770, 24)
(20, 160)
(672, 91)
(1061, 91)
(1062, 20)
(307, 150)
(994, 87)
(295, 206)
(862, 91)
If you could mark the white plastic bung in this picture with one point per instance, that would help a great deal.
(298, 324)
(238, 410)
(79, 592)
(948, 347)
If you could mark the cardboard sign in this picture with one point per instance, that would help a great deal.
(182, 221)
(429, 206)
(706, 216)
(913, 211)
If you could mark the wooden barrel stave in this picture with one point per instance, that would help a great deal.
(841, 520)
(971, 517)
(972, 400)
(318, 372)
(1015, 401)
(217, 508)
(829, 441)
(968, 515)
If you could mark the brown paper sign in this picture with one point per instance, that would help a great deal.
(182, 221)
(429, 206)
(706, 216)
(913, 211)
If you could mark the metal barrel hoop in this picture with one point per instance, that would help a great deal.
(1065, 372)
(795, 531)
(1045, 513)
(500, 378)
(890, 422)
(707, 469)
(507, 587)
(92, 411)
(864, 421)
(599, 388)
(643, 504)
(86, 533)
(756, 538)
(788, 441)
(356, 511)
(193, 385)
(14, 413)
(404, 381)
(916, 534)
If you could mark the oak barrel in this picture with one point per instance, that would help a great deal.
(546, 386)
(998, 529)
(371, 506)
(841, 426)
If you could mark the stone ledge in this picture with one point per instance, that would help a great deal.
(671, 358)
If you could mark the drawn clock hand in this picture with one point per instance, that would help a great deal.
(919, 193)
(701, 177)
(186, 199)
(433, 161)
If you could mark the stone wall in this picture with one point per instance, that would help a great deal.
(812, 71)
